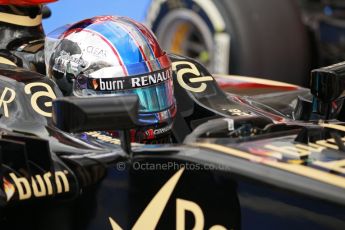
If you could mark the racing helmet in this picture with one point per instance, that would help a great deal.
(108, 55)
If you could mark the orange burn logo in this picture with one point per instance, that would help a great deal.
(95, 84)
(9, 189)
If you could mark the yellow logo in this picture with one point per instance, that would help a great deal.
(181, 73)
(39, 186)
(104, 138)
(150, 216)
(34, 99)
(7, 97)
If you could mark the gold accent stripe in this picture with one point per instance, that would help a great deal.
(246, 79)
(114, 225)
(150, 216)
(333, 126)
(20, 20)
(296, 169)
(6, 61)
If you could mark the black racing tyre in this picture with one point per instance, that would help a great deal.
(264, 38)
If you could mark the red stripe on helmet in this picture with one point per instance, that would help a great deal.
(150, 37)
(165, 61)
(139, 46)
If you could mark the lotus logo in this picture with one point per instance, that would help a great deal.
(150, 216)
(182, 73)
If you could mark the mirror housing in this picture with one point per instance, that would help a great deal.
(328, 88)
(101, 113)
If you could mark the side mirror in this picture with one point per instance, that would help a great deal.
(80, 114)
(102, 113)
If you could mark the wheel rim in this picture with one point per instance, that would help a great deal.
(184, 32)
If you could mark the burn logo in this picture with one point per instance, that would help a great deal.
(111, 85)
(128, 83)
(38, 186)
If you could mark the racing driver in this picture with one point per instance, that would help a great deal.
(110, 55)
(98, 56)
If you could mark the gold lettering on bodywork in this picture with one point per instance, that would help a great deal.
(47, 179)
(154, 210)
(60, 176)
(237, 112)
(192, 70)
(4, 103)
(182, 206)
(104, 138)
(114, 225)
(217, 227)
(41, 185)
(38, 186)
(34, 99)
(150, 216)
(22, 185)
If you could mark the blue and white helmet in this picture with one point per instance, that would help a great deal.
(114, 55)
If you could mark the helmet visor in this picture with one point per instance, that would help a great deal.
(155, 98)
